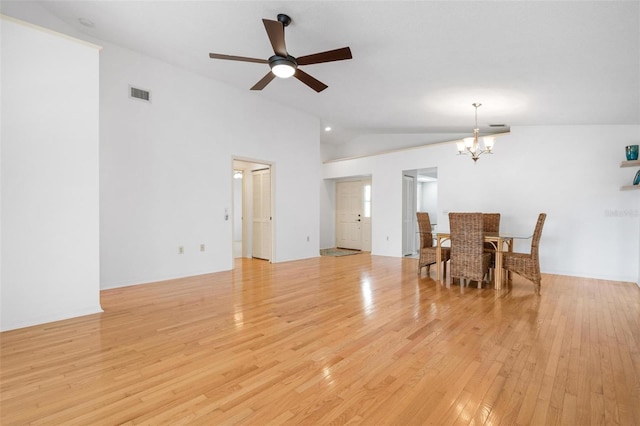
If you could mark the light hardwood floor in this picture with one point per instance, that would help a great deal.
(350, 340)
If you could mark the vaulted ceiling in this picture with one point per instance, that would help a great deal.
(417, 65)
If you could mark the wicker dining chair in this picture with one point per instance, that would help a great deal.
(468, 259)
(491, 224)
(527, 265)
(427, 250)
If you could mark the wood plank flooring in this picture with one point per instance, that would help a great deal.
(333, 340)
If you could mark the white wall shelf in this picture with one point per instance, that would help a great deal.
(634, 163)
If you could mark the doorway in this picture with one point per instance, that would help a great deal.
(252, 210)
(419, 196)
(261, 239)
(353, 214)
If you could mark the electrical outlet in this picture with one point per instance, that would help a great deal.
(387, 238)
(307, 238)
(201, 247)
(180, 249)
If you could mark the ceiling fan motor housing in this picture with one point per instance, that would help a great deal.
(285, 19)
(281, 60)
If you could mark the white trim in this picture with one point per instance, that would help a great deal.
(48, 31)
(46, 319)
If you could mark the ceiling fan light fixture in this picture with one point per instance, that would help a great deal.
(283, 70)
(283, 67)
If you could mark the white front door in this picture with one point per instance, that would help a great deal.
(349, 215)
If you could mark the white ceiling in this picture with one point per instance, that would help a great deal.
(417, 65)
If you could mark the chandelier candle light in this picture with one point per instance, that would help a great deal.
(471, 146)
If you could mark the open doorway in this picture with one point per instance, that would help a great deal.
(252, 210)
(420, 194)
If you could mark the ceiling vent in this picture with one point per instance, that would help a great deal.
(137, 93)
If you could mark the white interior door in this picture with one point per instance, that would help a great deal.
(238, 194)
(261, 246)
(365, 224)
(409, 216)
(349, 201)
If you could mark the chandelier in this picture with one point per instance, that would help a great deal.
(471, 146)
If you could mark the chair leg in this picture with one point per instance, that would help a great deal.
(536, 283)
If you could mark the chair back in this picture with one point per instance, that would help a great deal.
(424, 226)
(467, 246)
(491, 222)
(537, 233)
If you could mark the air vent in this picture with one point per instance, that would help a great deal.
(497, 125)
(143, 95)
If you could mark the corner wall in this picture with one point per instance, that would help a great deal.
(49, 225)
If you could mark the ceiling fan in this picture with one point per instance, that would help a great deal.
(284, 65)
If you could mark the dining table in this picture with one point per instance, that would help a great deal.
(498, 240)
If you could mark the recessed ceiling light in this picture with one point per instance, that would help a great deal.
(327, 129)
(86, 22)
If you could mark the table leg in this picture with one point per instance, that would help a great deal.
(498, 271)
(438, 259)
(510, 248)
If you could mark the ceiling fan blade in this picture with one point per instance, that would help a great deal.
(328, 56)
(237, 58)
(275, 31)
(264, 81)
(316, 85)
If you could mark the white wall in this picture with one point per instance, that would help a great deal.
(166, 167)
(166, 170)
(327, 213)
(428, 192)
(50, 259)
(237, 209)
(570, 172)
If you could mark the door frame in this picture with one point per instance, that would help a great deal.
(247, 165)
(409, 221)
